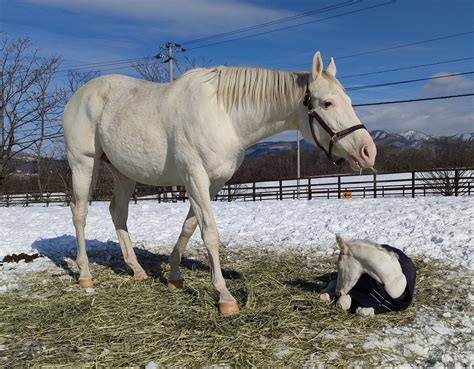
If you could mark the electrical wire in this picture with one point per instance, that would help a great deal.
(414, 100)
(292, 26)
(391, 48)
(407, 68)
(271, 23)
(354, 88)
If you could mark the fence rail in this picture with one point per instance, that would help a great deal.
(407, 184)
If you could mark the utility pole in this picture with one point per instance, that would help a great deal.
(298, 163)
(169, 48)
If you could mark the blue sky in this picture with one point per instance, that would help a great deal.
(89, 31)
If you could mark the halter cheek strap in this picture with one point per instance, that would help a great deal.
(334, 136)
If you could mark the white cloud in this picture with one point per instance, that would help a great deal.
(179, 17)
(448, 86)
(436, 117)
(439, 117)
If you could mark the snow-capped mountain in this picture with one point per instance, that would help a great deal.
(402, 140)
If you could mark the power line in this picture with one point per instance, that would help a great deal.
(392, 47)
(414, 100)
(354, 88)
(273, 22)
(408, 67)
(219, 35)
(292, 26)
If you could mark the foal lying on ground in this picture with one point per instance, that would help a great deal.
(371, 278)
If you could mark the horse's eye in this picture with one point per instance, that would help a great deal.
(328, 104)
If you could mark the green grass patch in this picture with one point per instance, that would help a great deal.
(130, 323)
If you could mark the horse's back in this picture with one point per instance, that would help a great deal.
(84, 111)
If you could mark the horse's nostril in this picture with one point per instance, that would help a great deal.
(365, 152)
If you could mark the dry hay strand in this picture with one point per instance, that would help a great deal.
(130, 323)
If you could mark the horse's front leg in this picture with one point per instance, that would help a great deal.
(197, 185)
(328, 293)
(344, 302)
(175, 280)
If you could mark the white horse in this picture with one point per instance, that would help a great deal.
(374, 275)
(194, 132)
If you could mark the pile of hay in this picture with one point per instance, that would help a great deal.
(130, 323)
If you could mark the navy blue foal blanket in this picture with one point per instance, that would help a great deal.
(369, 293)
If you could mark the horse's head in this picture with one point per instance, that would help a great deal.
(333, 124)
(349, 269)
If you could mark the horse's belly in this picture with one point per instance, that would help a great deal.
(139, 152)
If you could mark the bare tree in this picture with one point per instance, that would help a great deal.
(75, 80)
(152, 70)
(20, 74)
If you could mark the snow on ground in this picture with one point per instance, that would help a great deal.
(439, 228)
(432, 227)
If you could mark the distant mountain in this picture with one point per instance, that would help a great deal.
(403, 140)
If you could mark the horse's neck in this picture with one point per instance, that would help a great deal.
(384, 268)
(266, 104)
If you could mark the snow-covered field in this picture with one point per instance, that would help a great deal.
(435, 228)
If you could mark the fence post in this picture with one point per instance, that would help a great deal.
(280, 194)
(338, 187)
(364, 191)
(228, 193)
(456, 182)
(8, 200)
(135, 196)
(328, 193)
(383, 191)
(310, 195)
(253, 191)
(47, 198)
(413, 184)
(403, 190)
(27, 198)
(375, 185)
(424, 190)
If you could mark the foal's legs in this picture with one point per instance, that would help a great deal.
(197, 185)
(83, 169)
(123, 188)
(189, 226)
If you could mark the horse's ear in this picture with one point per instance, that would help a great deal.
(331, 69)
(317, 65)
(342, 245)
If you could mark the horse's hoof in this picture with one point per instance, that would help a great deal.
(140, 276)
(86, 282)
(325, 297)
(178, 284)
(228, 308)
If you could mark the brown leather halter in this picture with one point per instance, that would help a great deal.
(334, 136)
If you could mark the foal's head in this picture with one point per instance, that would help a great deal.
(331, 106)
(349, 268)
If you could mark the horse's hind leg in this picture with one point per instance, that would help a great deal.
(83, 170)
(123, 189)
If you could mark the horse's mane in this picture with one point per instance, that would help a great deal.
(256, 88)
(374, 245)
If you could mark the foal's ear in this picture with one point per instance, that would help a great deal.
(317, 65)
(331, 69)
(342, 245)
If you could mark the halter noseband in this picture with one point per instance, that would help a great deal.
(334, 136)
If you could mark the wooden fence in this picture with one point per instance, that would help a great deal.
(407, 184)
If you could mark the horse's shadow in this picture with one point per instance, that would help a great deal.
(62, 249)
(320, 283)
